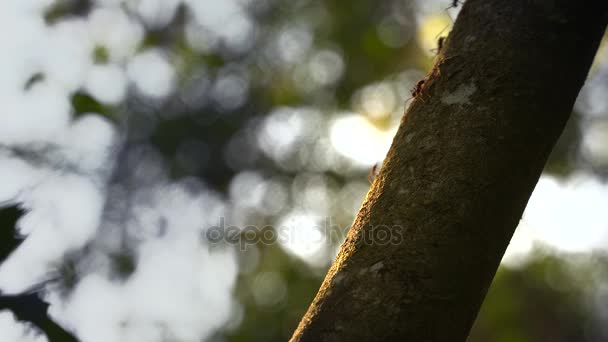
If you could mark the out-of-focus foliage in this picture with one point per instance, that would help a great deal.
(549, 298)
(280, 108)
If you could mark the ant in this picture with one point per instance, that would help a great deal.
(418, 88)
(441, 40)
(455, 4)
(373, 172)
(440, 43)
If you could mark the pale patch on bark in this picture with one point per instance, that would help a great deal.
(409, 137)
(377, 267)
(461, 95)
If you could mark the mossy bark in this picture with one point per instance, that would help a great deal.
(430, 235)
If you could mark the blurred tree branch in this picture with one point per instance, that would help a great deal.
(430, 235)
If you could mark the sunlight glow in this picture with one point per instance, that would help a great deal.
(567, 215)
(376, 100)
(431, 28)
(299, 233)
(356, 138)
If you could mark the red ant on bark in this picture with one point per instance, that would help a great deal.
(418, 88)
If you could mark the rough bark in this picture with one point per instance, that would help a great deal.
(430, 235)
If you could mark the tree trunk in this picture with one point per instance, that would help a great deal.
(430, 235)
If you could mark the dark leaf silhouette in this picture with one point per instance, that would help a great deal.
(27, 306)
(9, 238)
